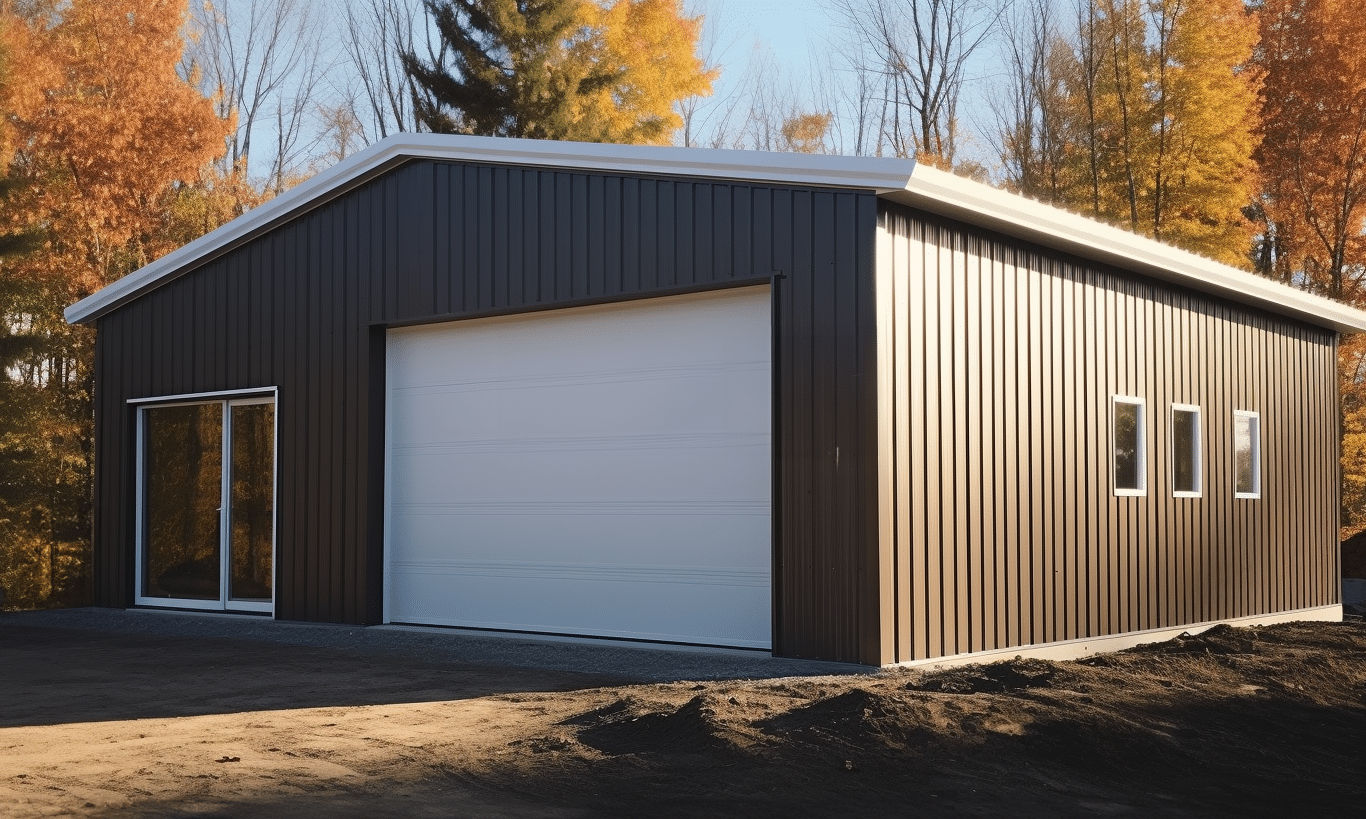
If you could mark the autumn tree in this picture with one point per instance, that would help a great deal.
(648, 48)
(805, 133)
(20, 93)
(1312, 209)
(1352, 396)
(1110, 109)
(23, 564)
(101, 136)
(558, 69)
(115, 132)
(1313, 145)
(703, 115)
(1205, 103)
(1146, 120)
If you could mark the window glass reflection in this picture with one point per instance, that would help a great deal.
(253, 501)
(183, 495)
(1128, 439)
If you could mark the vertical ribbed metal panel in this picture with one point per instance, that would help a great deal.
(999, 361)
(303, 307)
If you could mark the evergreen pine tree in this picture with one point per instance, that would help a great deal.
(504, 69)
(559, 69)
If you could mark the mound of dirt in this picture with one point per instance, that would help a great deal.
(856, 717)
(620, 728)
(615, 711)
(1007, 675)
(1221, 639)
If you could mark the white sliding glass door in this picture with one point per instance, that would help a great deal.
(206, 504)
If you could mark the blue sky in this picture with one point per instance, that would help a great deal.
(787, 27)
(795, 32)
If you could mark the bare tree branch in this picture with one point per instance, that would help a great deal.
(376, 33)
(915, 53)
(261, 62)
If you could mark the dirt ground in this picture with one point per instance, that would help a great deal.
(1233, 722)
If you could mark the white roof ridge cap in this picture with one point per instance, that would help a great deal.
(883, 173)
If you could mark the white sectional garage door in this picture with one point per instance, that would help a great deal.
(597, 471)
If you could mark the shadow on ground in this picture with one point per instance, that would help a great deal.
(90, 665)
(57, 676)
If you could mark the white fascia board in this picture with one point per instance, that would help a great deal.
(964, 200)
(875, 173)
(899, 180)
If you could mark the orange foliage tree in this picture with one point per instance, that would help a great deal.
(117, 131)
(1313, 146)
(1313, 202)
(104, 145)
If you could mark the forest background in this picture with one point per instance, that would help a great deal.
(1233, 129)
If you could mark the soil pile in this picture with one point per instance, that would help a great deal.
(1267, 722)
(1230, 722)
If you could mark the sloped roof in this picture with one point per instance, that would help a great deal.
(898, 180)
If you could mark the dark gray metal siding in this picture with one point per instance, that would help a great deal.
(303, 307)
(1001, 529)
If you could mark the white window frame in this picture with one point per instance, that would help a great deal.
(1142, 446)
(1197, 452)
(227, 399)
(1256, 418)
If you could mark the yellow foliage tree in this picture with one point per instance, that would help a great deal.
(1206, 104)
(1161, 99)
(805, 133)
(649, 47)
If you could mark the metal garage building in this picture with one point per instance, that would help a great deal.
(845, 408)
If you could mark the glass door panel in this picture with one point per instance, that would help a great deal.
(252, 545)
(208, 505)
(183, 499)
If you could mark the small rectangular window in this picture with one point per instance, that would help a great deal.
(1247, 454)
(1185, 451)
(1129, 442)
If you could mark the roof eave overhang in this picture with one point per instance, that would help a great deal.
(898, 180)
(879, 174)
(963, 200)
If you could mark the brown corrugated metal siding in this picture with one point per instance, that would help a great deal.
(1000, 529)
(304, 307)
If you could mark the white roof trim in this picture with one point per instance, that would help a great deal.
(899, 180)
(964, 200)
(880, 174)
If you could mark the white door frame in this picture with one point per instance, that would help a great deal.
(227, 400)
